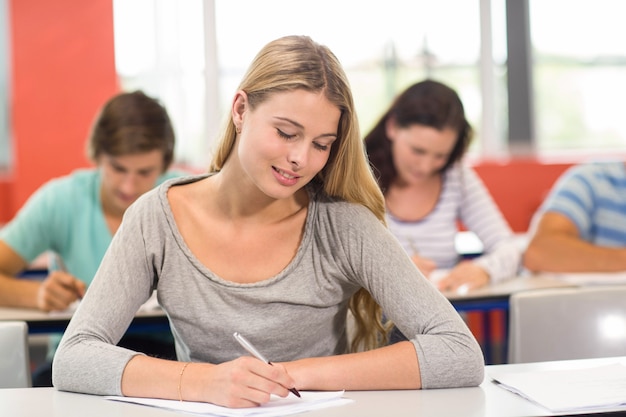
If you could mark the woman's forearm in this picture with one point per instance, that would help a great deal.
(390, 367)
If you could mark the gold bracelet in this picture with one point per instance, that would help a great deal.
(180, 380)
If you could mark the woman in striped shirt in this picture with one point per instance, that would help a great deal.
(416, 151)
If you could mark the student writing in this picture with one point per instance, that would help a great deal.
(416, 150)
(75, 216)
(274, 242)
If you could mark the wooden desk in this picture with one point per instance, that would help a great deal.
(487, 400)
(40, 322)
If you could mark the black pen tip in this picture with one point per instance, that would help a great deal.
(295, 392)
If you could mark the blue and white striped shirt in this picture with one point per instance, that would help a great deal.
(593, 196)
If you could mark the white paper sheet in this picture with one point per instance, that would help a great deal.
(591, 278)
(311, 400)
(569, 390)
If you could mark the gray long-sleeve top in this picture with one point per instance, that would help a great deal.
(299, 313)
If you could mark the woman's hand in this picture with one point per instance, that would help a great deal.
(425, 265)
(243, 382)
(464, 277)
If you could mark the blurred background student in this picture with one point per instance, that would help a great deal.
(416, 150)
(75, 217)
(581, 226)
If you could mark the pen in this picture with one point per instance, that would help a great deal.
(55, 263)
(254, 352)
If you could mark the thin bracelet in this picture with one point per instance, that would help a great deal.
(180, 380)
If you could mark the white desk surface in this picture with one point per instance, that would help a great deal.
(507, 287)
(40, 322)
(487, 400)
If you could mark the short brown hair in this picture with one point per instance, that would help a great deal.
(131, 123)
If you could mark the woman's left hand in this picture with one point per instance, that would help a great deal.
(464, 277)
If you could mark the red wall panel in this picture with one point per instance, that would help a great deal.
(62, 71)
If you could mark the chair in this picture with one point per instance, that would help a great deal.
(567, 323)
(14, 356)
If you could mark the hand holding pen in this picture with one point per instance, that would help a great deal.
(425, 265)
(254, 352)
(59, 289)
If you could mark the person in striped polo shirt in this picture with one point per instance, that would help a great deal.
(581, 225)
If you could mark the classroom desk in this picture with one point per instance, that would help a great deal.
(483, 299)
(497, 295)
(495, 298)
(487, 400)
(486, 299)
(40, 322)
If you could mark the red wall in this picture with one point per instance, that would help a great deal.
(5, 209)
(62, 71)
(519, 186)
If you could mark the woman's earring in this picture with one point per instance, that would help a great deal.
(238, 130)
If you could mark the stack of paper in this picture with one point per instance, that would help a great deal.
(276, 407)
(569, 390)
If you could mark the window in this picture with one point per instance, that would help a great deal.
(579, 75)
(159, 48)
(192, 55)
(384, 47)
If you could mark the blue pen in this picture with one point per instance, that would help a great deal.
(254, 352)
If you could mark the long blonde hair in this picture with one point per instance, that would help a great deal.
(297, 62)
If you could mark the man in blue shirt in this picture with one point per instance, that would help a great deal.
(581, 226)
